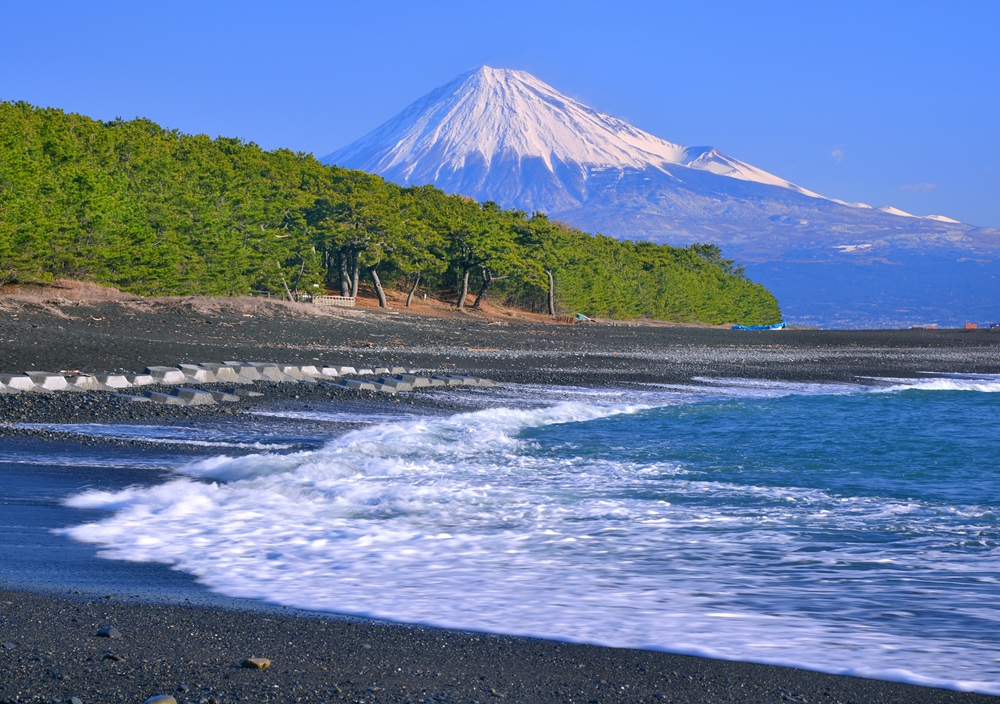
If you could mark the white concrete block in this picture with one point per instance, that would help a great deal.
(165, 375)
(270, 371)
(246, 372)
(196, 373)
(85, 382)
(165, 399)
(414, 380)
(193, 397)
(113, 381)
(292, 370)
(48, 381)
(224, 373)
(18, 382)
(448, 380)
(223, 397)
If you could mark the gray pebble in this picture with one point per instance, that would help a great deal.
(109, 632)
(161, 699)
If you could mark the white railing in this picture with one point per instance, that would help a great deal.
(336, 301)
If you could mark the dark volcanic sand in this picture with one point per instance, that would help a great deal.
(51, 653)
(48, 650)
(117, 336)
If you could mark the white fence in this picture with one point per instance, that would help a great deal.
(336, 301)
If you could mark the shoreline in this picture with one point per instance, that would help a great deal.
(194, 652)
(562, 355)
(181, 634)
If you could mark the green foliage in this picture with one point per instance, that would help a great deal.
(153, 211)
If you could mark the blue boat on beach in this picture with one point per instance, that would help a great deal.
(775, 326)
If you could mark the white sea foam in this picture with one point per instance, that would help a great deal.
(471, 521)
(768, 388)
(332, 416)
(765, 388)
(983, 383)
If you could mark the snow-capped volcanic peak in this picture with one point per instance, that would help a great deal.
(503, 135)
(501, 114)
(492, 111)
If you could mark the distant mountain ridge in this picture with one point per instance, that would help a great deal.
(504, 135)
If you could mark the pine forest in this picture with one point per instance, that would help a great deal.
(156, 212)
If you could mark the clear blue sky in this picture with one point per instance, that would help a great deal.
(886, 102)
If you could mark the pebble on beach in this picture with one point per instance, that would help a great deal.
(256, 663)
(109, 632)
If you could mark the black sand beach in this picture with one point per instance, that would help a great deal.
(179, 640)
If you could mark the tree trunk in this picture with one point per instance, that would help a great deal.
(284, 283)
(487, 280)
(413, 289)
(378, 288)
(302, 270)
(355, 273)
(345, 285)
(552, 293)
(465, 290)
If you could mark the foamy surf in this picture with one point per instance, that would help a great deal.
(601, 523)
(980, 383)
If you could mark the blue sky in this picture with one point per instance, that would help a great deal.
(888, 103)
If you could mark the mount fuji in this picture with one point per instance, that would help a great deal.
(503, 135)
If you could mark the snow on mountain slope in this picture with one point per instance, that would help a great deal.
(942, 218)
(711, 159)
(490, 117)
(896, 211)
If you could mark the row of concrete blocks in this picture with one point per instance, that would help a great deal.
(206, 373)
(408, 382)
(182, 396)
(228, 372)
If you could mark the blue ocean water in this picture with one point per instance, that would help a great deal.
(843, 528)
